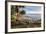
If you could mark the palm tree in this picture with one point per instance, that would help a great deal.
(22, 12)
(18, 13)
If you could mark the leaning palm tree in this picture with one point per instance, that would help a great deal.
(18, 12)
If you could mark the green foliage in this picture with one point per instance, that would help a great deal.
(13, 18)
(12, 10)
(15, 9)
(22, 12)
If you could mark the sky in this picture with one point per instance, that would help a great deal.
(31, 9)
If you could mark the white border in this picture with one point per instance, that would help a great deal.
(23, 29)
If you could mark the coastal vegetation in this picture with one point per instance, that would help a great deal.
(16, 22)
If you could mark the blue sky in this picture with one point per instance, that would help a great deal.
(30, 9)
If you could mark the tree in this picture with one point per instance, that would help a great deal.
(22, 12)
(18, 11)
(18, 7)
(15, 14)
(15, 11)
(12, 9)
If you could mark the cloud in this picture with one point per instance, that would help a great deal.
(31, 8)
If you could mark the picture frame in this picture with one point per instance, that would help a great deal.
(34, 7)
